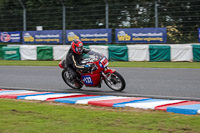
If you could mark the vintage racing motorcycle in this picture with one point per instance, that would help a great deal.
(100, 71)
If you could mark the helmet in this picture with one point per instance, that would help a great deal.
(77, 46)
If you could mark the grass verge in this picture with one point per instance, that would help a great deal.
(111, 64)
(20, 116)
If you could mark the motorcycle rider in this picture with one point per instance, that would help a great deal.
(73, 60)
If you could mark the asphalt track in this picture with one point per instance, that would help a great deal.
(169, 83)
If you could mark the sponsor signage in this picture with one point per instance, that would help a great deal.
(48, 36)
(90, 35)
(141, 35)
(87, 80)
(10, 36)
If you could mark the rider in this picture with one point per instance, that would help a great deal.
(73, 59)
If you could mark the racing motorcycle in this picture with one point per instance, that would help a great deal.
(99, 72)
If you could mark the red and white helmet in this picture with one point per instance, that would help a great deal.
(77, 46)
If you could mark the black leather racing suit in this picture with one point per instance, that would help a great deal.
(73, 62)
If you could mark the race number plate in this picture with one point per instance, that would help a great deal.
(103, 62)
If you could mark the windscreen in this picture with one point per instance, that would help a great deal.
(93, 55)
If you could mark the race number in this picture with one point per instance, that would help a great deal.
(87, 80)
(104, 62)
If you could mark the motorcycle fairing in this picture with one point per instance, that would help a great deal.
(91, 79)
(87, 80)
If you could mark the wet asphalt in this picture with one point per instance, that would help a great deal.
(168, 83)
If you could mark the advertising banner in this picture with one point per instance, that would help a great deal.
(10, 36)
(46, 36)
(199, 34)
(141, 35)
(90, 35)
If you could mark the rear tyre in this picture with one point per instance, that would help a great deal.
(115, 81)
(69, 81)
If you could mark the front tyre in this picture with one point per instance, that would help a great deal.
(69, 81)
(115, 81)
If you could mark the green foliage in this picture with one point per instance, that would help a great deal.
(181, 19)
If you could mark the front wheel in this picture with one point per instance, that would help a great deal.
(69, 81)
(115, 81)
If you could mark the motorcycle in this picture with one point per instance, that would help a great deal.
(99, 71)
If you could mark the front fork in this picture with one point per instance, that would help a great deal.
(107, 71)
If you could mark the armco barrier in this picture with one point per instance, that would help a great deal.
(196, 52)
(159, 53)
(154, 53)
(181, 53)
(11, 53)
(138, 52)
(44, 53)
(118, 53)
(60, 51)
(28, 52)
(1, 51)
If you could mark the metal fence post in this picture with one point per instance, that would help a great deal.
(64, 21)
(24, 15)
(156, 13)
(107, 14)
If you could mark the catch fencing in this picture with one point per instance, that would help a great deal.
(180, 17)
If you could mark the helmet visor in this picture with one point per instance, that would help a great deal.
(79, 49)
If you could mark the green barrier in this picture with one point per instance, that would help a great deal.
(196, 52)
(1, 51)
(86, 47)
(44, 53)
(85, 55)
(118, 53)
(11, 53)
(159, 53)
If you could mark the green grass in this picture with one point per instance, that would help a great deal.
(46, 117)
(28, 63)
(111, 64)
(20, 116)
(157, 64)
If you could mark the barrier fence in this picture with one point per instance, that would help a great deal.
(180, 17)
(153, 53)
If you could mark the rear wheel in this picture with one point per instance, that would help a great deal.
(75, 84)
(115, 81)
